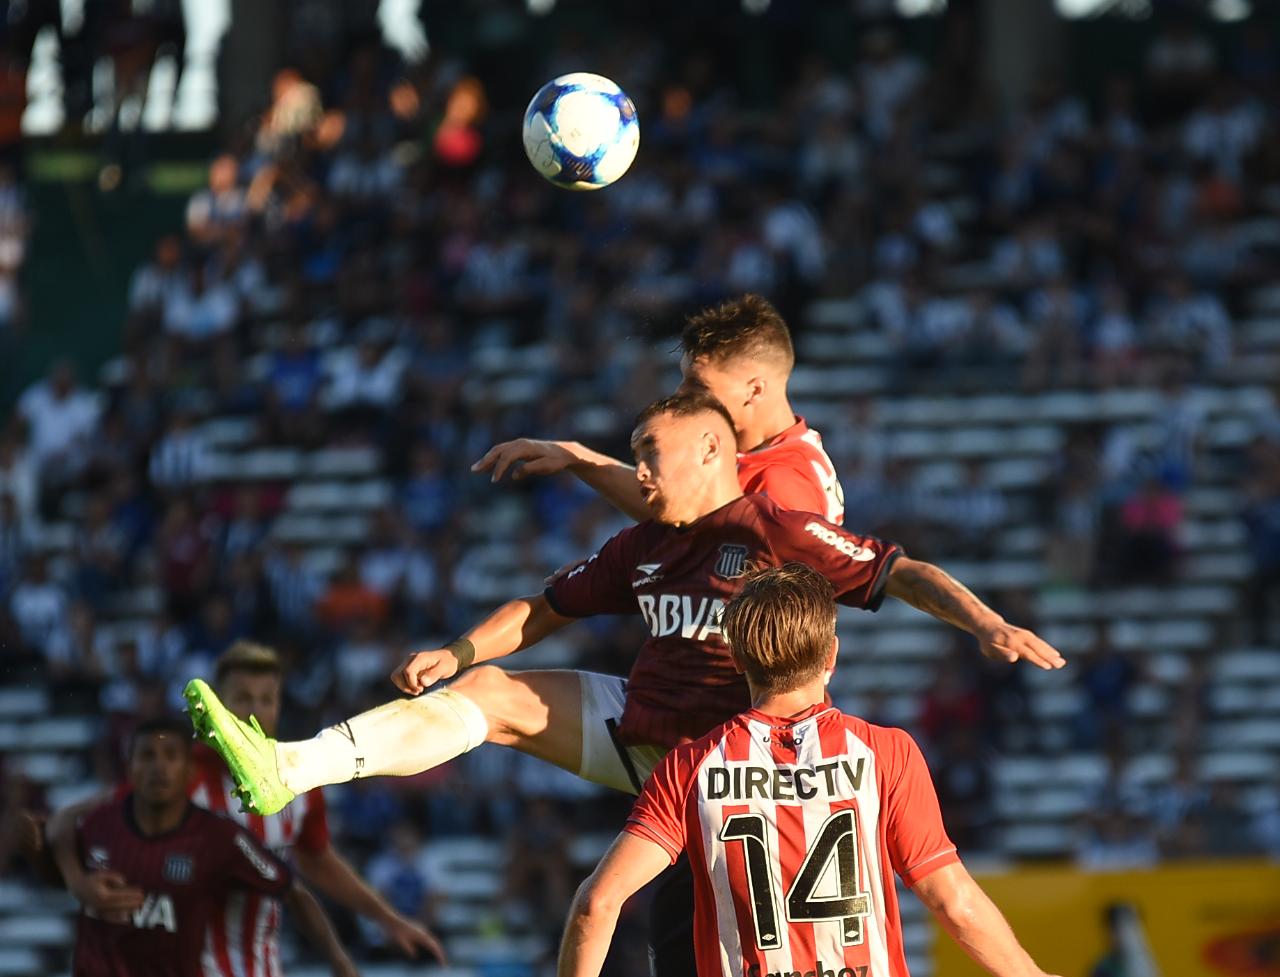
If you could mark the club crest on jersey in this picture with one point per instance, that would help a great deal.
(179, 868)
(731, 561)
(98, 857)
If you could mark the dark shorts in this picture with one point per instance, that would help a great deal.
(671, 923)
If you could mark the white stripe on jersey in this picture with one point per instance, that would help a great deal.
(873, 927)
(235, 934)
(712, 816)
(265, 937)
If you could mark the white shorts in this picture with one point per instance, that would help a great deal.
(604, 760)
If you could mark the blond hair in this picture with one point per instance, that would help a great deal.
(781, 626)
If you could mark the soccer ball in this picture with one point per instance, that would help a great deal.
(581, 131)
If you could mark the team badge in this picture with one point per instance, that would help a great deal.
(731, 561)
(98, 858)
(179, 868)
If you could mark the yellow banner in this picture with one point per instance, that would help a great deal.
(1201, 919)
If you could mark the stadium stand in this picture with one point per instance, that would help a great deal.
(1042, 346)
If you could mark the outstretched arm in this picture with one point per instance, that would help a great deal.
(972, 920)
(513, 627)
(937, 593)
(318, 931)
(613, 479)
(629, 864)
(333, 875)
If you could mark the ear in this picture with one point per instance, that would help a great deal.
(711, 447)
(831, 661)
(756, 388)
(737, 665)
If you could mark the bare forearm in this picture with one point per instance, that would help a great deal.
(513, 627)
(333, 875)
(586, 940)
(973, 921)
(931, 589)
(314, 923)
(611, 478)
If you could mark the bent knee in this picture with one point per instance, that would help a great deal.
(498, 695)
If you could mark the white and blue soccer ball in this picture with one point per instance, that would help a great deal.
(581, 131)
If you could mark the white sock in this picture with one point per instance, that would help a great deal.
(398, 739)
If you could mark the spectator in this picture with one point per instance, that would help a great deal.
(222, 209)
(1107, 677)
(1148, 533)
(62, 419)
(349, 601)
(399, 872)
(38, 604)
(182, 457)
(1262, 520)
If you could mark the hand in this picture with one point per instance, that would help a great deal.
(409, 938)
(423, 669)
(533, 458)
(107, 895)
(344, 966)
(1006, 643)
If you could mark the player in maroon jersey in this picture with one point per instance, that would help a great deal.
(173, 865)
(243, 935)
(741, 352)
(676, 570)
(796, 818)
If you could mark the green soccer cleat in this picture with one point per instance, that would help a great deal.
(249, 753)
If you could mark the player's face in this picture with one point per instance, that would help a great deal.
(673, 457)
(158, 768)
(729, 382)
(246, 694)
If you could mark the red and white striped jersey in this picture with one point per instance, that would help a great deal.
(243, 938)
(793, 469)
(794, 828)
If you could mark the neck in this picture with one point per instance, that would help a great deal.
(155, 819)
(792, 703)
(768, 424)
(721, 492)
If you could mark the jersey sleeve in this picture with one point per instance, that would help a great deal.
(601, 584)
(658, 814)
(313, 835)
(247, 865)
(788, 487)
(918, 842)
(857, 566)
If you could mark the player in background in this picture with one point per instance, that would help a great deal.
(244, 934)
(796, 817)
(739, 351)
(677, 570)
(173, 865)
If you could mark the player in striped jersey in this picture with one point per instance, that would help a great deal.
(796, 818)
(243, 934)
(170, 866)
(740, 352)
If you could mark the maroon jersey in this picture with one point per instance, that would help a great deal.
(683, 682)
(186, 875)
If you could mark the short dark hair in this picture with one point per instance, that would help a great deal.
(689, 402)
(175, 726)
(745, 327)
(781, 625)
(248, 657)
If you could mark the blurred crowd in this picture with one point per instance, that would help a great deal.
(375, 235)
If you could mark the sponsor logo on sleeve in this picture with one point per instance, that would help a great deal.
(648, 574)
(861, 554)
(264, 867)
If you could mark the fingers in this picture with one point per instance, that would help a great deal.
(499, 459)
(420, 671)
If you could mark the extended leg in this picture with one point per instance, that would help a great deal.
(536, 712)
